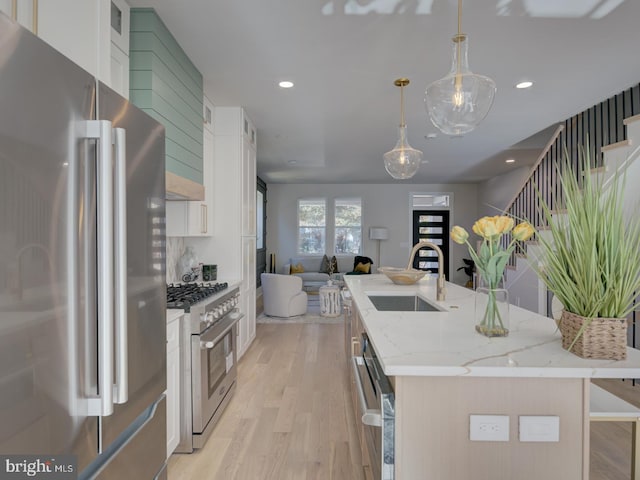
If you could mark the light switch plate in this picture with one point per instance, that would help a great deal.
(489, 428)
(539, 428)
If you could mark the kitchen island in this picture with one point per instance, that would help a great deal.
(443, 371)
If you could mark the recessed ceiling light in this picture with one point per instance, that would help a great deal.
(509, 160)
(285, 84)
(524, 85)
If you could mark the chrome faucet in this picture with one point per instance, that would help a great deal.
(440, 289)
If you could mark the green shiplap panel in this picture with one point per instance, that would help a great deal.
(148, 42)
(168, 99)
(176, 166)
(172, 132)
(146, 20)
(175, 163)
(142, 99)
(166, 84)
(153, 100)
(176, 150)
(158, 71)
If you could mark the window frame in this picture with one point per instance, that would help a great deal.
(299, 226)
(336, 226)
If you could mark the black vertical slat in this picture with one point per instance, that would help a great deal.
(547, 163)
(598, 132)
(635, 100)
(580, 134)
(592, 135)
(626, 104)
(619, 118)
(536, 198)
(611, 115)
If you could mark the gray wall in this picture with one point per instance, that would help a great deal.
(495, 193)
(386, 205)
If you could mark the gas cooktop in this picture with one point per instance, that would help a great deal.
(183, 295)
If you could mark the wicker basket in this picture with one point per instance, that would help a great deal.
(604, 338)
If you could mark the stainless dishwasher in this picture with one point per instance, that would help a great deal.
(376, 403)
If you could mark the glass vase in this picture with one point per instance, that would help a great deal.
(492, 310)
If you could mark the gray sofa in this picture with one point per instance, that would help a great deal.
(312, 278)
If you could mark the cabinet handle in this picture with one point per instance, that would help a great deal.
(369, 416)
(203, 218)
(354, 349)
(34, 20)
(34, 14)
(121, 388)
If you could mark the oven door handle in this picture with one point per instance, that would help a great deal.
(370, 416)
(235, 318)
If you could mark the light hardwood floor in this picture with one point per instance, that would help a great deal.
(291, 416)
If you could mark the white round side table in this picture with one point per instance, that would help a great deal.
(330, 300)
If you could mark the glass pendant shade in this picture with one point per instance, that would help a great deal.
(403, 161)
(457, 103)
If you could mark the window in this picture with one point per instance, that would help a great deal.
(312, 219)
(348, 226)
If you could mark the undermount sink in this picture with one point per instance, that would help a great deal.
(402, 303)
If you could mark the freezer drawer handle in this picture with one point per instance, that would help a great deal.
(101, 130)
(120, 388)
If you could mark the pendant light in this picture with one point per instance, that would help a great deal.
(457, 103)
(403, 161)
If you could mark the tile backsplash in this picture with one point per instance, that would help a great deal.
(175, 249)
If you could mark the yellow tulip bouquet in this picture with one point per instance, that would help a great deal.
(491, 261)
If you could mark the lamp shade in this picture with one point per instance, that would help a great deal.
(378, 233)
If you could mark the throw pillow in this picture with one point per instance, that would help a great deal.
(324, 266)
(362, 268)
(297, 268)
(360, 259)
(334, 265)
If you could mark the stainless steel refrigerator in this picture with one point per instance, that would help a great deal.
(82, 268)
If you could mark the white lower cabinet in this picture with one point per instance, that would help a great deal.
(173, 385)
(247, 330)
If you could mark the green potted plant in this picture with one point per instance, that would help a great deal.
(591, 260)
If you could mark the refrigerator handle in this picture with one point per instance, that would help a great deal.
(120, 388)
(101, 131)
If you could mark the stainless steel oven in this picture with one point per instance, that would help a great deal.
(208, 357)
(213, 371)
(376, 404)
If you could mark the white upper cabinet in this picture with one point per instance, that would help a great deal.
(25, 12)
(119, 49)
(82, 31)
(248, 178)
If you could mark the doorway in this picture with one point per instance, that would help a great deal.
(431, 225)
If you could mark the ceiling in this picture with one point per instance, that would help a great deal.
(342, 114)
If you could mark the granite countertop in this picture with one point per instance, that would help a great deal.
(445, 343)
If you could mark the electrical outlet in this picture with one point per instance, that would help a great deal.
(489, 428)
